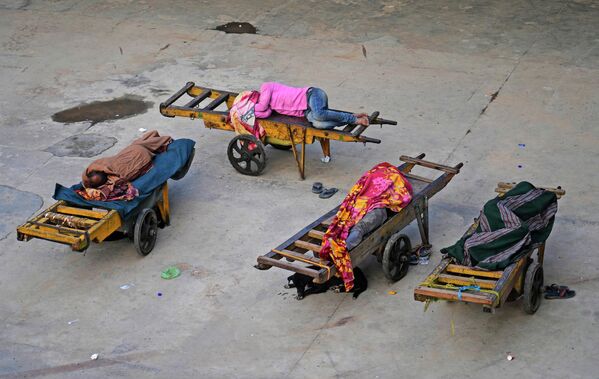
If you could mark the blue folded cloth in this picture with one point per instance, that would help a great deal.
(164, 166)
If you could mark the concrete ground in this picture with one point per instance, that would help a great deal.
(433, 66)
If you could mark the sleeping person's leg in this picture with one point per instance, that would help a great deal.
(321, 116)
(367, 224)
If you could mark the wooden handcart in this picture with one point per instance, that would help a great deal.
(78, 226)
(246, 154)
(390, 247)
(491, 289)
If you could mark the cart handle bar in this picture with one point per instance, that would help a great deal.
(421, 162)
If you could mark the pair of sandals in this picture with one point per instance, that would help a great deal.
(558, 292)
(323, 193)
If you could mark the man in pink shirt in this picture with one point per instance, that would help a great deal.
(310, 102)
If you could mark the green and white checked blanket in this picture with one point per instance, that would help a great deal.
(508, 225)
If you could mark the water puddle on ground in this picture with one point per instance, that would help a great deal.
(237, 28)
(99, 111)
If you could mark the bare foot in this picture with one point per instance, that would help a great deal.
(362, 121)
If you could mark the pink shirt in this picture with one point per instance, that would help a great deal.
(277, 97)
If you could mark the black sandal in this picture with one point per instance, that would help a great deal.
(328, 192)
(558, 292)
(317, 187)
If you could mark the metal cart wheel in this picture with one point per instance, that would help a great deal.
(145, 231)
(533, 285)
(396, 257)
(245, 158)
(281, 147)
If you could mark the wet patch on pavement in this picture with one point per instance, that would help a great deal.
(135, 81)
(82, 145)
(99, 111)
(237, 28)
(16, 207)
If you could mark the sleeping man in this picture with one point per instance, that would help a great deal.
(109, 178)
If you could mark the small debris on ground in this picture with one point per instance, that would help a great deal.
(94, 356)
(72, 321)
(392, 292)
(142, 130)
(237, 28)
(510, 357)
(126, 286)
(170, 273)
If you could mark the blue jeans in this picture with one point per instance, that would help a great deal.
(319, 114)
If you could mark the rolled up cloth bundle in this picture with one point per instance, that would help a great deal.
(69, 221)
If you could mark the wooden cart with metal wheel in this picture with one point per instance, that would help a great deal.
(387, 243)
(245, 152)
(78, 226)
(491, 289)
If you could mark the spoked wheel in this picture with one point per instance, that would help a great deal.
(396, 257)
(246, 154)
(281, 147)
(533, 286)
(145, 232)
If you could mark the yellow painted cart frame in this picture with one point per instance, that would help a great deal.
(281, 131)
(93, 225)
(450, 281)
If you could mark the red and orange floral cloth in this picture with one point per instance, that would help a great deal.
(383, 186)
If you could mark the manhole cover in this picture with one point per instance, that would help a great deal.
(82, 145)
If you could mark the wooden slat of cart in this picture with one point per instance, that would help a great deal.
(464, 281)
(465, 270)
(81, 212)
(447, 294)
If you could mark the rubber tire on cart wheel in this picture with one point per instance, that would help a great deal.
(533, 286)
(281, 147)
(245, 160)
(396, 257)
(145, 231)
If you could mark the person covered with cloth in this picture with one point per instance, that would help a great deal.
(508, 225)
(109, 178)
(382, 187)
(309, 102)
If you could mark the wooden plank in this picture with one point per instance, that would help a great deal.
(465, 270)
(288, 266)
(301, 257)
(510, 274)
(437, 270)
(198, 99)
(423, 293)
(417, 177)
(433, 165)
(303, 232)
(218, 101)
(105, 227)
(349, 128)
(308, 245)
(316, 234)
(80, 212)
(503, 187)
(463, 281)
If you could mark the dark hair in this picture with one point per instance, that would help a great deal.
(102, 175)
